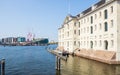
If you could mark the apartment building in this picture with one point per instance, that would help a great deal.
(96, 28)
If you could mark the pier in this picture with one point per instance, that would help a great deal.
(59, 56)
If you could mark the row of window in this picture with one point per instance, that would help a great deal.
(105, 13)
(92, 44)
(96, 27)
(92, 18)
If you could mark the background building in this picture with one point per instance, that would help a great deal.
(21, 39)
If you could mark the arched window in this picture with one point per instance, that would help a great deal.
(91, 44)
(106, 26)
(106, 45)
(79, 32)
(91, 29)
(105, 14)
(91, 19)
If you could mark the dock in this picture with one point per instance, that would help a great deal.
(57, 54)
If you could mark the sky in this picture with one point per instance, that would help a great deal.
(40, 17)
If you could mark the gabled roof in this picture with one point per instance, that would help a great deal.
(68, 18)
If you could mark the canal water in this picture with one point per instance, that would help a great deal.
(28, 60)
(36, 60)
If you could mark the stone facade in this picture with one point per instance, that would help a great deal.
(96, 28)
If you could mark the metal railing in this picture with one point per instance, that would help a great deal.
(2, 67)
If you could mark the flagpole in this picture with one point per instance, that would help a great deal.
(69, 7)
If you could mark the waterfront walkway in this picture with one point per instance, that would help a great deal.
(108, 57)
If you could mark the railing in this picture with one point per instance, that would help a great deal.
(2, 67)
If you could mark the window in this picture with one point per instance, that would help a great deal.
(95, 27)
(79, 32)
(100, 14)
(84, 30)
(100, 36)
(68, 34)
(87, 29)
(91, 19)
(100, 26)
(84, 43)
(81, 21)
(106, 45)
(84, 20)
(91, 44)
(74, 31)
(79, 24)
(106, 26)
(79, 43)
(100, 43)
(105, 14)
(91, 28)
(75, 24)
(95, 16)
(111, 9)
(74, 43)
(111, 23)
(112, 43)
(87, 43)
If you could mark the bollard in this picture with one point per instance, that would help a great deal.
(3, 67)
(0, 68)
(58, 63)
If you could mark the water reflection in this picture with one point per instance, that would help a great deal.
(81, 66)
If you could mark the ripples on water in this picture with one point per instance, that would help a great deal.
(36, 60)
(81, 66)
(28, 60)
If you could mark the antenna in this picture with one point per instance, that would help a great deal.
(69, 7)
